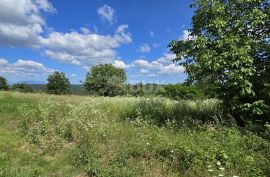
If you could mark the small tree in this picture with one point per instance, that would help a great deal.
(106, 80)
(22, 87)
(58, 83)
(3, 83)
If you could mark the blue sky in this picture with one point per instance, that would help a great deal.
(38, 37)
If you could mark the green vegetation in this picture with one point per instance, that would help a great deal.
(22, 87)
(132, 89)
(106, 80)
(3, 83)
(181, 92)
(177, 132)
(58, 83)
(46, 135)
(135, 90)
(228, 50)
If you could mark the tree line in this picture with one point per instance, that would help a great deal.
(107, 80)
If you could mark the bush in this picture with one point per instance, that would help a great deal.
(3, 83)
(163, 111)
(181, 92)
(135, 90)
(22, 87)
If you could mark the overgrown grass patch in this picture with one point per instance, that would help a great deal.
(98, 136)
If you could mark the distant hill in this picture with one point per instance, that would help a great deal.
(33, 82)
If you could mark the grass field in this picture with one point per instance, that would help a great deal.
(44, 135)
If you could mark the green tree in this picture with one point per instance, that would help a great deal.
(3, 83)
(106, 80)
(22, 87)
(58, 83)
(229, 49)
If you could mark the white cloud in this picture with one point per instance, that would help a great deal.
(152, 34)
(144, 71)
(25, 27)
(85, 48)
(21, 23)
(160, 66)
(172, 69)
(24, 68)
(156, 45)
(152, 75)
(186, 35)
(85, 30)
(166, 58)
(45, 5)
(107, 13)
(121, 28)
(3, 61)
(120, 64)
(145, 48)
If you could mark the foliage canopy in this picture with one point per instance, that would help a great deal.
(58, 83)
(106, 80)
(229, 49)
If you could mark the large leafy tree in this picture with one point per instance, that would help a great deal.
(106, 80)
(58, 83)
(229, 50)
(3, 83)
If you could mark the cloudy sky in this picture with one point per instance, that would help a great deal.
(38, 37)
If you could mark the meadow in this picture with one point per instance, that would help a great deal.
(47, 135)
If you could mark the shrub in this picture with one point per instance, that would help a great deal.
(22, 87)
(162, 111)
(136, 90)
(179, 92)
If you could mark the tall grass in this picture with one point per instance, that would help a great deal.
(162, 111)
(134, 136)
